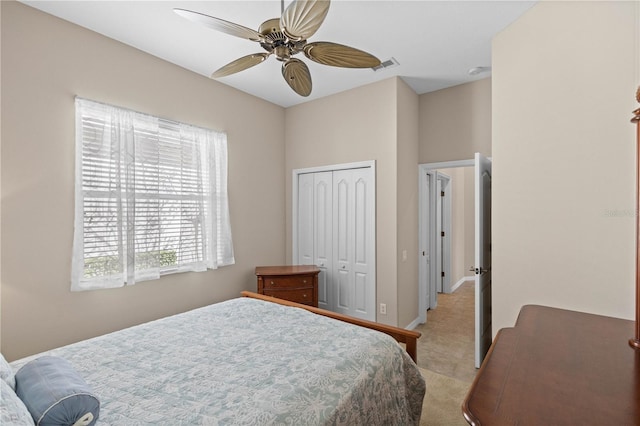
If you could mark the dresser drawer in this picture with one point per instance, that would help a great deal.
(296, 283)
(304, 296)
(288, 282)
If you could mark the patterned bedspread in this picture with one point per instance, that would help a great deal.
(248, 362)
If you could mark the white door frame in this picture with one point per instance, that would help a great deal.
(426, 247)
(294, 215)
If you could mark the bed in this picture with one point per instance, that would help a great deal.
(248, 361)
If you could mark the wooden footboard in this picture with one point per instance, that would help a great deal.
(408, 337)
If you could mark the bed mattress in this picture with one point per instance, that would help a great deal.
(249, 362)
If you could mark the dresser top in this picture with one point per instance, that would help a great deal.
(286, 270)
(558, 367)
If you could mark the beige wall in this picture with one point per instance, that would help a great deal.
(455, 123)
(407, 203)
(563, 159)
(45, 63)
(359, 125)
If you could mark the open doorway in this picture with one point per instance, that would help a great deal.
(451, 213)
(442, 232)
(469, 183)
(454, 229)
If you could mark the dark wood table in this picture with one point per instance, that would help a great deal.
(558, 367)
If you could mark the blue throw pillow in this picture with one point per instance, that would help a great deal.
(55, 394)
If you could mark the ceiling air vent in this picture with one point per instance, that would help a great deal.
(389, 63)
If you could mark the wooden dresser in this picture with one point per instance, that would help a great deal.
(296, 283)
(558, 367)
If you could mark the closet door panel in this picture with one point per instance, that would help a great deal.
(323, 235)
(341, 222)
(360, 222)
(343, 239)
(361, 293)
(363, 231)
(344, 292)
(305, 219)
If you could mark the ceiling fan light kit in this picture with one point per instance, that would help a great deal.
(285, 37)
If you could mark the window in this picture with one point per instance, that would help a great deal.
(151, 198)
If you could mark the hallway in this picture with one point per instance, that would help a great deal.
(447, 343)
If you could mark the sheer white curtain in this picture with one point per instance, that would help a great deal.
(151, 198)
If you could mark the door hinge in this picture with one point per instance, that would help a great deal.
(442, 273)
(442, 193)
(442, 234)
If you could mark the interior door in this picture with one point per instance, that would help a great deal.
(482, 257)
(353, 226)
(323, 235)
(439, 237)
(335, 230)
(315, 233)
(305, 219)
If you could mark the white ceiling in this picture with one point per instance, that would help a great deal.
(434, 42)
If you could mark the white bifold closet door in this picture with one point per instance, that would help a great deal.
(315, 232)
(336, 233)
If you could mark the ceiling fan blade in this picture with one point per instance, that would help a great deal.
(296, 73)
(240, 64)
(303, 18)
(221, 25)
(338, 55)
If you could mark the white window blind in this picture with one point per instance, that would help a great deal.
(151, 198)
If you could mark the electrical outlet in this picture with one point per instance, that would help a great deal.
(383, 309)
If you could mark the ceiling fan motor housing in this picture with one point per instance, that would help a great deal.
(277, 42)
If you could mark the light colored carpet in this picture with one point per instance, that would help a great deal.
(447, 342)
(446, 357)
(443, 400)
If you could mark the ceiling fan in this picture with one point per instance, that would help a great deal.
(285, 37)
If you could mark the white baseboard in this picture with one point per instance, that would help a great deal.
(416, 322)
(461, 281)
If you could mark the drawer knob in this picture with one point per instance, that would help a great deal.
(304, 281)
(272, 283)
(304, 295)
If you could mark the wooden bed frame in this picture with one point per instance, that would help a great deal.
(408, 337)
